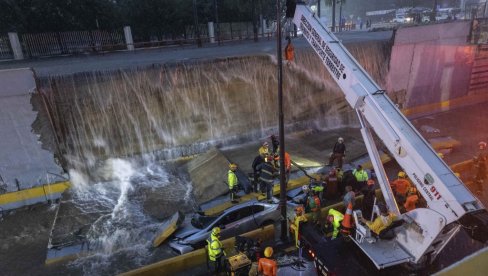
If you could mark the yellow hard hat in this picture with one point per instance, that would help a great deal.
(458, 175)
(216, 231)
(402, 174)
(232, 166)
(268, 252)
(441, 155)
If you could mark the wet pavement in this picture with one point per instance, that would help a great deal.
(145, 57)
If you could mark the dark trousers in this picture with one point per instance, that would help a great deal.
(255, 182)
(339, 157)
(269, 188)
(217, 264)
(233, 193)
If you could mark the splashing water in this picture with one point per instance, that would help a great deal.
(115, 128)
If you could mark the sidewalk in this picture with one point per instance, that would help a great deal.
(62, 65)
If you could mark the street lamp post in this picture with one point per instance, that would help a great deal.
(195, 17)
(281, 124)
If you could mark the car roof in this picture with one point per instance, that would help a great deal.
(239, 206)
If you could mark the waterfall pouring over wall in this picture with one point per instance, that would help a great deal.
(119, 130)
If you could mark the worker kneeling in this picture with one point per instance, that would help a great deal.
(333, 223)
(267, 266)
(384, 220)
(295, 223)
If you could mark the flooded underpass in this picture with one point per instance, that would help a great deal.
(126, 138)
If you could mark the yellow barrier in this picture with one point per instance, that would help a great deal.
(195, 258)
(33, 195)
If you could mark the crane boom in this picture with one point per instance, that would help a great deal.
(444, 192)
(428, 230)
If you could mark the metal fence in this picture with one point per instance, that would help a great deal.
(222, 32)
(5, 49)
(62, 43)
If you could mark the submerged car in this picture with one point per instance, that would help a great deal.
(234, 221)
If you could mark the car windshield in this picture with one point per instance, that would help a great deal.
(201, 222)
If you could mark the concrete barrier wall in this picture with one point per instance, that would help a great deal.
(430, 64)
(24, 163)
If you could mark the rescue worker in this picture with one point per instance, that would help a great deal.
(349, 197)
(333, 223)
(361, 177)
(338, 152)
(368, 199)
(412, 199)
(233, 182)
(215, 249)
(384, 220)
(295, 223)
(267, 176)
(313, 205)
(267, 266)
(264, 150)
(400, 187)
(480, 167)
(275, 143)
(289, 51)
(332, 184)
(287, 164)
(256, 173)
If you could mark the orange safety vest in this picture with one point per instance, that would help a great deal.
(289, 52)
(410, 202)
(267, 266)
(401, 186)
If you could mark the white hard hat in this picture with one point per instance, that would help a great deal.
(305, 188)
(340, 139)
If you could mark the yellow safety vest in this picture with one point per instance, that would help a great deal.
(232, 179)
(361, 175)
(338, 217)
(214, 248)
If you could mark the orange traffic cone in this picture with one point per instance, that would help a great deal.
(347, 221)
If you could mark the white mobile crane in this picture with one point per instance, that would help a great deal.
(425, 231)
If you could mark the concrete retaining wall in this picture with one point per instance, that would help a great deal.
(430, 64)
(24, 163)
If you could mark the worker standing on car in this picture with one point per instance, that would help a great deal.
(267, 266)
(233, 182)
(338, 152)
(295, 223)
(215, 249)
(267, 176)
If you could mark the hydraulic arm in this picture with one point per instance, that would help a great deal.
(447, 197)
